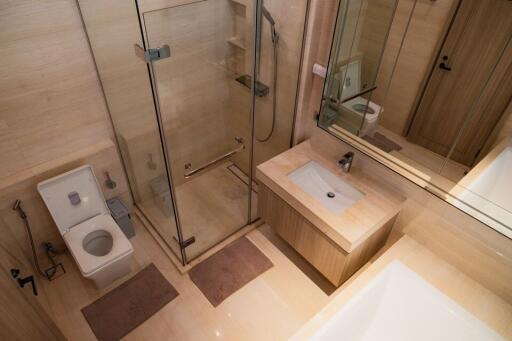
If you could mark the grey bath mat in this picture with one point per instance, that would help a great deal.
(219, 276)
(121, 310)
(382, 142)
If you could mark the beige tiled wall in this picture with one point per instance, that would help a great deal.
(50, 99)
(53, 115)
(474, 248)
(101, 155)
(290, 17)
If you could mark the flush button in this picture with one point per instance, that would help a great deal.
(330, 195)
(74, 198)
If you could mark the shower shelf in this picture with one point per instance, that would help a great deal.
(237, 42)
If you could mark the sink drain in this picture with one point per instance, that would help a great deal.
(330, 195)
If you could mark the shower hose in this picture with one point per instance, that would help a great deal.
(275, 43)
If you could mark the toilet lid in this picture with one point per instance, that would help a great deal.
(73, 197)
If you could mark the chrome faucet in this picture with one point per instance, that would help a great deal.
(346, 162)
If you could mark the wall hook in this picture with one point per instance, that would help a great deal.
(109, 182)
(150, 163)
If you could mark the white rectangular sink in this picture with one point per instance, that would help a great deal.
(333, 192)
(400, 305)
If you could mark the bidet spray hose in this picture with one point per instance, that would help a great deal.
(17, 207)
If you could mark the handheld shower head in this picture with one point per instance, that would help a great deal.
(16, 204)
(268, 16)
(17, 207)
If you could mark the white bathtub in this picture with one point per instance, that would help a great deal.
(399, 305)
(487, 189)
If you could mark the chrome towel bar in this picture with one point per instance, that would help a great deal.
(241, 147)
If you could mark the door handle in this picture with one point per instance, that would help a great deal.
(22, 281)
(444, 64)
(445, 67)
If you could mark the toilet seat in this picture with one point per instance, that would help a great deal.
(368, 117)
(87, 262)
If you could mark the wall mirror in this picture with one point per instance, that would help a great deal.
(425, 87)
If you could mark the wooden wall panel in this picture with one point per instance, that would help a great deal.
(50, 99)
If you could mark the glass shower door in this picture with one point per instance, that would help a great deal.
(127, 89)
(205, 114)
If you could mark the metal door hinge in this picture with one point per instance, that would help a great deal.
(186, 242)
(151, 55)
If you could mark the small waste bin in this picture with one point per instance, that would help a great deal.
(121, 215)
(162, 195)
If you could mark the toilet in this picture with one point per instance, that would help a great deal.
(352, 111)
(78, 208)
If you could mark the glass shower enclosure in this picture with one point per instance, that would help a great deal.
(202, 115)
(186, 85)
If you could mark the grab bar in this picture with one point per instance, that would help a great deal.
(364, 92)
(217, 160)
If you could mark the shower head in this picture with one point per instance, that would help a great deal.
(268, 16)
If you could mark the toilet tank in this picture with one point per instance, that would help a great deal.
(350, 76)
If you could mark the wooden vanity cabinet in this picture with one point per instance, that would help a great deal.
(325, 255)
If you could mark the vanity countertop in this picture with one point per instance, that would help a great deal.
(489, 308)
(349, 228)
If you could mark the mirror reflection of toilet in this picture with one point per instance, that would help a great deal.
(78, 208)
(358, 108)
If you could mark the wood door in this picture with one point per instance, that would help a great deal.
(21, 315)
(480, 32)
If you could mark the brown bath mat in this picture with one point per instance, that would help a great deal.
(115, 314)
(229, 270)
(382, 142)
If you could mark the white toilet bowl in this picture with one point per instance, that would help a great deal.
(97, 244)
(361, 113)
(358, 115)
